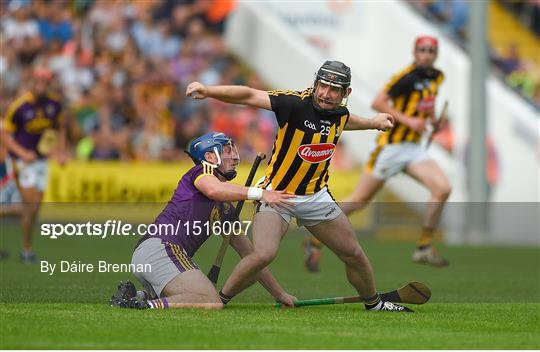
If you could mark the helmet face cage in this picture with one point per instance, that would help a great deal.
(234, 152)
(335, 74)
(211, 142)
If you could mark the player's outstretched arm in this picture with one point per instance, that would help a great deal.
(381, 122)
(243, 246)
(214, 189)
(230, 94)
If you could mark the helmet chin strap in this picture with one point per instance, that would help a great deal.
(229, 175)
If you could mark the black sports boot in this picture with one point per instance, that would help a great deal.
(390, 307)
(126, 291)
(134, 303)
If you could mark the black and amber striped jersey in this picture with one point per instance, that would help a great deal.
(305, 142)
(413, 92)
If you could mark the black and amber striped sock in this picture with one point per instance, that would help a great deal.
(426, 238)
(372, 302)
(224, 298)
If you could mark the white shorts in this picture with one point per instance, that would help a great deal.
(167, 260)
(33, 174)
(391, 159)
(308, 210)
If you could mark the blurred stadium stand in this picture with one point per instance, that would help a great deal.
(514, 36)
(123, 66)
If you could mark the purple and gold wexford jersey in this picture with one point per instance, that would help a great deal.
(191, 213)
(28, 117)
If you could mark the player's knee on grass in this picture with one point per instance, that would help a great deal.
(210, 298)
(195, 297)
(218, 305)
(213, 297)
(199, 301)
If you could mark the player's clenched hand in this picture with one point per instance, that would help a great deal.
(277, 199)
(197, 90)
(287, 299)
(383, 122)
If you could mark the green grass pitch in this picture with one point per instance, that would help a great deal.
(489, 298)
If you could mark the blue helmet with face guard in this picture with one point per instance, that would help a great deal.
(211, 142)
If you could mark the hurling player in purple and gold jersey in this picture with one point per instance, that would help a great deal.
(34, 127)
(201, 198)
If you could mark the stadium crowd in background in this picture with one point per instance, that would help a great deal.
(519, 73)
(528, 12)
(122, 67)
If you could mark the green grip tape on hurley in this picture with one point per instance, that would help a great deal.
(310, 302)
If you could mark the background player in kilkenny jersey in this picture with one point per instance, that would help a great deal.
(410, 98)
(310, 124)
(201, 198)
(35, 127)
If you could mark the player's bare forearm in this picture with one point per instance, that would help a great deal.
(382, 122)
(214, 189)
(359, 123)
(230, 94)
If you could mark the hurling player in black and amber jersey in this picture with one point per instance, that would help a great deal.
(410, 97)
(310, 124)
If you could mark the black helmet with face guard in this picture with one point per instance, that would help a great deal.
(335, 74)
